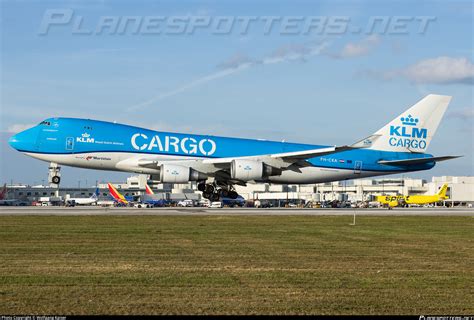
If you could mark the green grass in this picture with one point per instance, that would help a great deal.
(236, 265)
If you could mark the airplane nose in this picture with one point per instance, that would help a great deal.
(24, 141)
(14, 142)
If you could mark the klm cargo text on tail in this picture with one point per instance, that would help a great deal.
(408, 135)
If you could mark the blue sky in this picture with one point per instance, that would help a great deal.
(312, 88)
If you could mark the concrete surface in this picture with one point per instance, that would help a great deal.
(92, 210)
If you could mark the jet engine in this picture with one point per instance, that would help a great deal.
(247, 170)
(170, 173)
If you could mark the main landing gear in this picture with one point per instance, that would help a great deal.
(215, 191)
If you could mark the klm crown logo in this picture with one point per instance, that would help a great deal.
(408, 135)
(409, 121)
(85, 138)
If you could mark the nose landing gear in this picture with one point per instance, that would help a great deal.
(54, 176)
(55, 179)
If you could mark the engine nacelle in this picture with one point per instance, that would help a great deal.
(170, 173)
(247, 170)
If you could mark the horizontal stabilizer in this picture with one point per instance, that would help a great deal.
(414, 161)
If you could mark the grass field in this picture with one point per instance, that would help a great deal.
(236, 265)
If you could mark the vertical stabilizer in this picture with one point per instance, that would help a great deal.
(3, 193)
(412, 130)
(148, 189)
(442, 191)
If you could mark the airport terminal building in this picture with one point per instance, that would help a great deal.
(460, 190)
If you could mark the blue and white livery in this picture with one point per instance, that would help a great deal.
(218, 163)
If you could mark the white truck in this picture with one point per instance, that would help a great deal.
(186, 203)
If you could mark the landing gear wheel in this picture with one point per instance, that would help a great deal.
(201, 187)
(209, 188)
(56, 180)
(214, 197)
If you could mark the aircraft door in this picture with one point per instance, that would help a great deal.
(69, 143)
(358, 167)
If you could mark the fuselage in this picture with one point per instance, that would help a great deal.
(111, 146)
(83, 201)
(394, 201)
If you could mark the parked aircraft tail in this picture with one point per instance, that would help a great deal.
(3, 193)
(148, 189)
(412, 130)
(442, 191)
(116, 195)
(95, 195)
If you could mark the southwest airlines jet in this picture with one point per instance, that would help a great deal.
(219, 163)
(118, 197)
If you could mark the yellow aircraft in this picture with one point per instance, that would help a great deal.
(393, 201)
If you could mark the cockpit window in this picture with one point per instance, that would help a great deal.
(45, 123)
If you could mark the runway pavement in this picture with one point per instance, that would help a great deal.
(92, 211)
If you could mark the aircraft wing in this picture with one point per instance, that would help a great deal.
(277, 160)
(282, 160)
(219, 166)
(415, 161)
